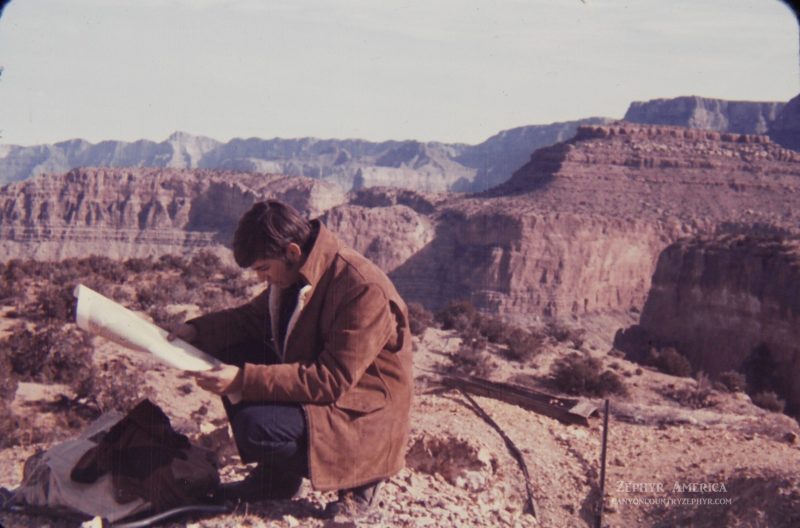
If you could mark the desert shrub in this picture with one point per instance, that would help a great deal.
(169, 262)
(148, 295)
(8, 426)
(53, 354)
(8, 292)
(419, 318)
(761, 370)
(769, 400)
(579, 374)
(563, 333)
(53, 302)
(670, 361)
(698, 396)
(471, 358)
(458, 315)
(522, 345)
(233, 283)
(733, 381)
(138, 265)
(105, 267)
(495, 330)
(114, 386)
(8, 382)
(164, 318)
(203, 265)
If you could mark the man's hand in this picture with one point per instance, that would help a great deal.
(224, 379)
(183, 331)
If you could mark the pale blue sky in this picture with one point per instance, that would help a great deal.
(446, 70)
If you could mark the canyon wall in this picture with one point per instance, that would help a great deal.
(743, 117)
(785, 129)
(526, 264)
(139, 212)
(576, 231)
(730, 302)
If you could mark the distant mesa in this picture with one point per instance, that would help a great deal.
(356, 164)
(785, 129)
(743, 117)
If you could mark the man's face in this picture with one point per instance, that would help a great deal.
(280, 272)
(275, 271)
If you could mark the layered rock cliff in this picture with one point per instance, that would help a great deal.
(785, 129)
(351, 164)
(579, 229)
(524, 262)
(728, 303)
(136, 212)
(388, 235)
(743, 117)
(576, 231)
(690, 178)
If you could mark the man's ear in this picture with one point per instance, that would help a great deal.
(293, 253)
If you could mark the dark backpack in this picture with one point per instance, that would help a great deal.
(138, 465)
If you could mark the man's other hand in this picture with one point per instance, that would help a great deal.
(221, 380)
(183, 331)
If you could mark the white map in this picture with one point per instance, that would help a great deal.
(102, 316)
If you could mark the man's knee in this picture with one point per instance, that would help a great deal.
(269, 432)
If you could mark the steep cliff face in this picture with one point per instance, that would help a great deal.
(743, 117)
(527, 263)
(499, 156)
(578, 230)
(785, 129)
(730, 302)
(132, 212)
(693, 178)
(388, 236)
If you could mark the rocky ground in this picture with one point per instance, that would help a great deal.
(729, 464)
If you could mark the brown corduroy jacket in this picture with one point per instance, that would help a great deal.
(346, 359)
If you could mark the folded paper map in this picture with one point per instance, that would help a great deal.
(102, 316)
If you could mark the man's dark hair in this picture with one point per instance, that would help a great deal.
(266, 230)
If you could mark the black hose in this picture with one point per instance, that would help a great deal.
(163, 516)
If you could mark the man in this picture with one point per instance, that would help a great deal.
(317, 381)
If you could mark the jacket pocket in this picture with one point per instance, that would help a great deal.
(362, 400)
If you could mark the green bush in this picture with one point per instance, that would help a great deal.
(670, 361)
(170, 262)
(563, 333)
(114, 386)
(698, 396)
(458, 315)
(53, 354)
(471, 358)
(522, 345)
(419, 318)
(53, 302)
(769, 400)
(733, 381)
(138, 265)
(584, 375)
(495, 330)
(203, 265)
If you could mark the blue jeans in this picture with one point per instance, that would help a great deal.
(272, 434)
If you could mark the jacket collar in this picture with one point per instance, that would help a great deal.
(321, 255)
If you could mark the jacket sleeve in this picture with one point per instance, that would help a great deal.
(217, 331)
(359, 331)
